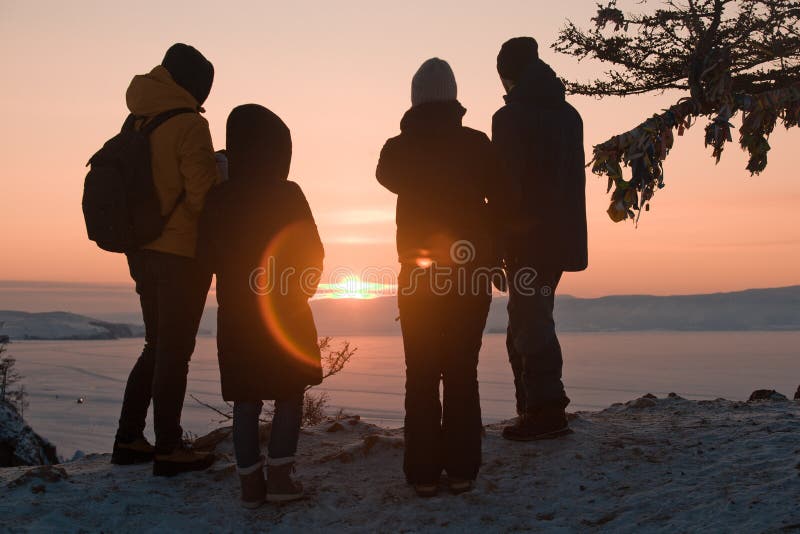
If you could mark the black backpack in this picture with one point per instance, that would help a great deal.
(120, 203)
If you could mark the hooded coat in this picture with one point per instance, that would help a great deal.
(257, 234)
(184, 167)
(539, 139)
(448, 185)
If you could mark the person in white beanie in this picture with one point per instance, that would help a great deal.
(434, 81)
(449, 198)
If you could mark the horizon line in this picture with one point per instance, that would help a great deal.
(43, 284)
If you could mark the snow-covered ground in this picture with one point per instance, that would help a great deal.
(665, 465)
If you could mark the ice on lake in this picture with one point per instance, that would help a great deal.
(600, 369)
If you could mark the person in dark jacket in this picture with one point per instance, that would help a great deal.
(445, 176)
(257, 234)
(172, 286)
(539, 139)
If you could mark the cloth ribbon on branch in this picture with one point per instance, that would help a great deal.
(645, 147)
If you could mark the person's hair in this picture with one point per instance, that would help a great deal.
(515, 56)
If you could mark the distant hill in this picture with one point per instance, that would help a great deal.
(62, 325)
(754, 309)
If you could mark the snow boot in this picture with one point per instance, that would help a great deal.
(138, 451)
(546, 423)
(426, 490)
(254, 486)
(459, 485)
(280, 485)
(181, 460)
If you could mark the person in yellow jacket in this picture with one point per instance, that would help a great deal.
(172, 286)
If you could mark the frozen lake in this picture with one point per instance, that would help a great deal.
(600, 369)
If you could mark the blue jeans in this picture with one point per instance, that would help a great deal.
(283, 436)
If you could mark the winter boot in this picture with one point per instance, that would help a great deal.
(280, 485)
(460, 485)
(425, 490)
(545, 423)
(138, 451)
(181, 460)
(254, 487)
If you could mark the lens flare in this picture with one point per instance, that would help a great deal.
(424, 263)
(283, 302)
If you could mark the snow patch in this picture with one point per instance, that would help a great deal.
(19, 444)
(663, 464)
(63, 325)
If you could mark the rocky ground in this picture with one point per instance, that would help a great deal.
(663, 465)
(19, 444)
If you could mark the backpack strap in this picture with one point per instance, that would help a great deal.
(148, 129)
(130, 123)
(161, 118)
(178, 201)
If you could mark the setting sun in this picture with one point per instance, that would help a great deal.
(353, 287)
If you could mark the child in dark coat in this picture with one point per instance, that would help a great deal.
(257, 234)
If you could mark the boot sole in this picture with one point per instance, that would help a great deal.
(458, 489)
(539, 437)
(284, 498)
(426, 492)
(131, 457)
(163, 468)
(252, 505)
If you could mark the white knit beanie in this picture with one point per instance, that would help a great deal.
(433, 82)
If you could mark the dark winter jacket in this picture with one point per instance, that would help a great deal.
(539, 139)
(258, 236)
(443, 174)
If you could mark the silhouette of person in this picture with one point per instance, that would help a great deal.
(539, 139)
(172, 286)
(257, 234)
(445, 176)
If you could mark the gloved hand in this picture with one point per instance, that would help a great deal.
(222, 164)
(500, 277)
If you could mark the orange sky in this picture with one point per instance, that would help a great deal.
(339, 74)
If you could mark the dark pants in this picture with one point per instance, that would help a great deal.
(442, 338)
(283, 435)
(533, 347)
(172, 290)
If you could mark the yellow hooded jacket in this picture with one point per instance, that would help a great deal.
(182, 157)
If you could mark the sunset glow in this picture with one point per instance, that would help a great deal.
(342, 94)
(353, 287)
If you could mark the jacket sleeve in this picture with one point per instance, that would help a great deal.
(198, 167)
(392, 168)
(501, 199)
(306, 250)
(510, 154)
(207, 249)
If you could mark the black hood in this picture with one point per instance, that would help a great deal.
(540, 85)
(433, 115)
(190, 69)
(258, 145)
